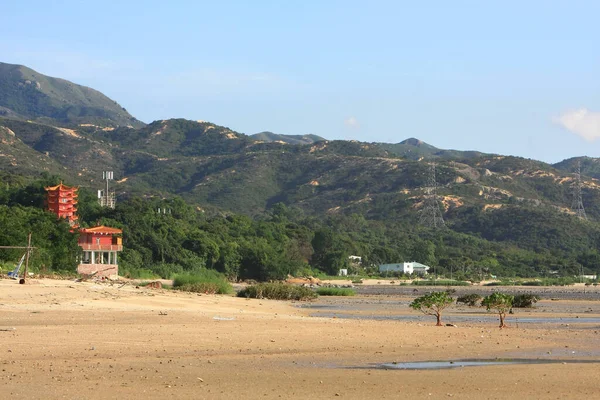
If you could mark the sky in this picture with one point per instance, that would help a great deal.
(509, 77)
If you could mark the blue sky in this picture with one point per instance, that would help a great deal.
(509, 77)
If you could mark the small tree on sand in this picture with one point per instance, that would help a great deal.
(433, 304)
(500, 302)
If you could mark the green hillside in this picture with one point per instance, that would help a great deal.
(29, 95)
(289, 139)
(416, 149)
(302, 206)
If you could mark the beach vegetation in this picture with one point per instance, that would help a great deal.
(471, 299)
(499, 302)
(203, 281)
(525, 300)
(333, 291)
(277, 291)
(433, 304)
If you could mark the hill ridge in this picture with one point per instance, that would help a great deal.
(29, 95)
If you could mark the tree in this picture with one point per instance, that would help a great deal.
(500, 302)
(433, 304)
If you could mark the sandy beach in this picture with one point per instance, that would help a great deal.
(62, 339)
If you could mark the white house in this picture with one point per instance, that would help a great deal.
(405, 267)
(355, 259)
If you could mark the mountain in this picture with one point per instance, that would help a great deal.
(289, 139)
(589, 166)
(509, 212)
(208, 164)
(416, 149)
(28, 95)
(491, 200)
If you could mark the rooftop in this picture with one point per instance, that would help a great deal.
(101, 229)
(61, 187)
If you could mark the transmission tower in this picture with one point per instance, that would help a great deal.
(431, 215)
(577, 205)
(107, 197)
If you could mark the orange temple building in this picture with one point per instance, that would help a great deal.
(62, 201)
(100, 244)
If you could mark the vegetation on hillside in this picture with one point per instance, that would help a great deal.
(183, 239)
(28, 95)
(265, 210)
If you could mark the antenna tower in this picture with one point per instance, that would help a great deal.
(577, 205)
(431, 215)
(106, 197)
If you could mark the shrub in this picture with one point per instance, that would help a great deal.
(277, 291)
(503, 283)
(525, 300)
(470, 299)
(204, 281)
(533, 283)
(440, 282)
(139, 273)
(332, 291)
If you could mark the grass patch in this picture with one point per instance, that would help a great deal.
(204, 281)
(333, 291)
(559, 281)
(140, 273)
(277, 291)
(441, 282)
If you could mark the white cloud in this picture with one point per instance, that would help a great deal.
(352, 122)
(582, 122)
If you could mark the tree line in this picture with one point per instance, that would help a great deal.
(163, 237)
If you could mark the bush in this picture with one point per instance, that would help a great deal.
(333, 291)
(470, 299)
(525, 300)
(139, 273)
(533, 283)
(205, 281)
(441, 282)
(277, 291)
(503, 283)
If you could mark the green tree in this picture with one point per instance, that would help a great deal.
(433, 304)
(500, 302)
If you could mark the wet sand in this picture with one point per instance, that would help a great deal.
(87, 340)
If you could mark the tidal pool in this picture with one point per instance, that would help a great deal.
(418, 365)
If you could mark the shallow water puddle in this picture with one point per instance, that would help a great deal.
(473, 363)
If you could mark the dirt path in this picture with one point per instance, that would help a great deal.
(84, 340)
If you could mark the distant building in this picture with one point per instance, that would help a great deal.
(100, 246)
(405, 267)
(355, 259)
(62, 201)
(343, 272)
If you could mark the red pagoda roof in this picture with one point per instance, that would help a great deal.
(61, 187)
(102, 229)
